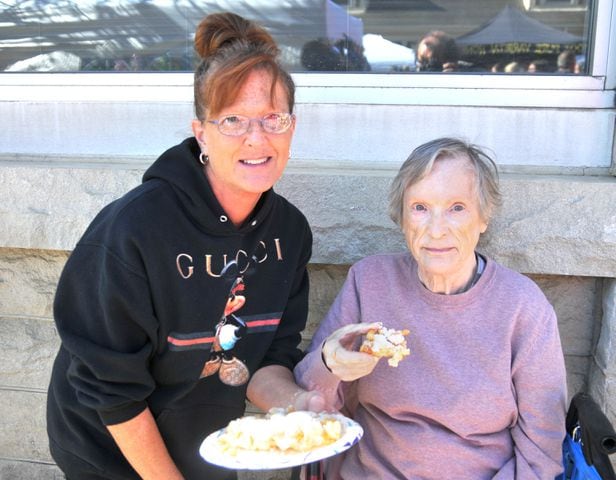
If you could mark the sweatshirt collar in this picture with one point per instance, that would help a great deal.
(476, 292)
(180, 168)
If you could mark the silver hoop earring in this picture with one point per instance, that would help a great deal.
(203, 159)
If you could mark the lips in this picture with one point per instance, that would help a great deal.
(255, 161)
(439, 250)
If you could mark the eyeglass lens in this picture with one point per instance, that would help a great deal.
(238, 124)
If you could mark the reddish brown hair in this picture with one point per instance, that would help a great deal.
(230, 48)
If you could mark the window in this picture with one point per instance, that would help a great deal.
(368, 36)
(103, 117)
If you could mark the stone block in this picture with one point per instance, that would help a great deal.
(51, 208)
(606, 344)
(348, 214)
(24, 470)
(602, 375)
(325, 283)
(23, 432)
(48, 207)
(284, 474)
(28, 347)
(28, 280)
(543, 228)
(577, 373)
(574, 301)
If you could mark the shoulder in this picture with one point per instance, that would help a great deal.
(289, 208)
(516, 280)
(114, 238)
(122, 227)
(133, 205)
(290, 217)
(519, 288)
(381, 265)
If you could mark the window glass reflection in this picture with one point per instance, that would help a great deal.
(375, 36)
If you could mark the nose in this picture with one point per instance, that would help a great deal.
(255, 133)
(258, 121)
(437, 226)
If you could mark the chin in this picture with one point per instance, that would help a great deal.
(442, 269)
(260, 185)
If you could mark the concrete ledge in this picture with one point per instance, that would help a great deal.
(549, 224)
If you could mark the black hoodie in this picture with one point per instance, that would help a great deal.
(138, 305)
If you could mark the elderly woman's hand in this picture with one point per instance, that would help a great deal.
(339, 356)
(313, 401)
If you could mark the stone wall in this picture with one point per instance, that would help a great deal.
(560, 230)
(28, 343)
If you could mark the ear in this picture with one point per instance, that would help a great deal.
(292, 129)
(484, 226)
(199, 133)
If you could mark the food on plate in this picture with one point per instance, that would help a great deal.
(386, 342)
(280, 431)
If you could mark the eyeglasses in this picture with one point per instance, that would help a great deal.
(236, 125)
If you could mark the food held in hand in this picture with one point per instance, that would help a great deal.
(386, 342)
(297, 431)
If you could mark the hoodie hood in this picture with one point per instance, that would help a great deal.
(180, 168)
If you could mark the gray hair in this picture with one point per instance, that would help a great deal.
(420, 163)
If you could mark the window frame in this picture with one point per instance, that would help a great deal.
(548, 5)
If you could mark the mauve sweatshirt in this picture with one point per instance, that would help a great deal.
(482, 394)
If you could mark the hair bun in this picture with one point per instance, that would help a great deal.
(219, 30)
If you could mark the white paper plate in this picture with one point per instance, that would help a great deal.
(211, 451)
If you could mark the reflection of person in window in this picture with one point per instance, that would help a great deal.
(342, 55)
(514, 67)
(566, 62)
(437, 52)
(352, 54)
(321, 56)
(539, 66)
(497, 68)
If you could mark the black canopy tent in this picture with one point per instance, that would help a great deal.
(512, 35)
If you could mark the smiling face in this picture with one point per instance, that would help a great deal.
(442, 224)
(241, 168)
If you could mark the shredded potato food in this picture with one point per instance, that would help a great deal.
(280, 431)
(386, 342)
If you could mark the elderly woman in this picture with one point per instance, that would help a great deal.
(189, 293)
(482, 394)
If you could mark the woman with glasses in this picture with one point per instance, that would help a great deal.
(188, 294)
(482, 393)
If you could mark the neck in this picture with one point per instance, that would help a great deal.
(238, 206)
(448, 284)
(238, 209)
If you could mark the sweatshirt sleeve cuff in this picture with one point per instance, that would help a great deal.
(123, 414)
(313, 374)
